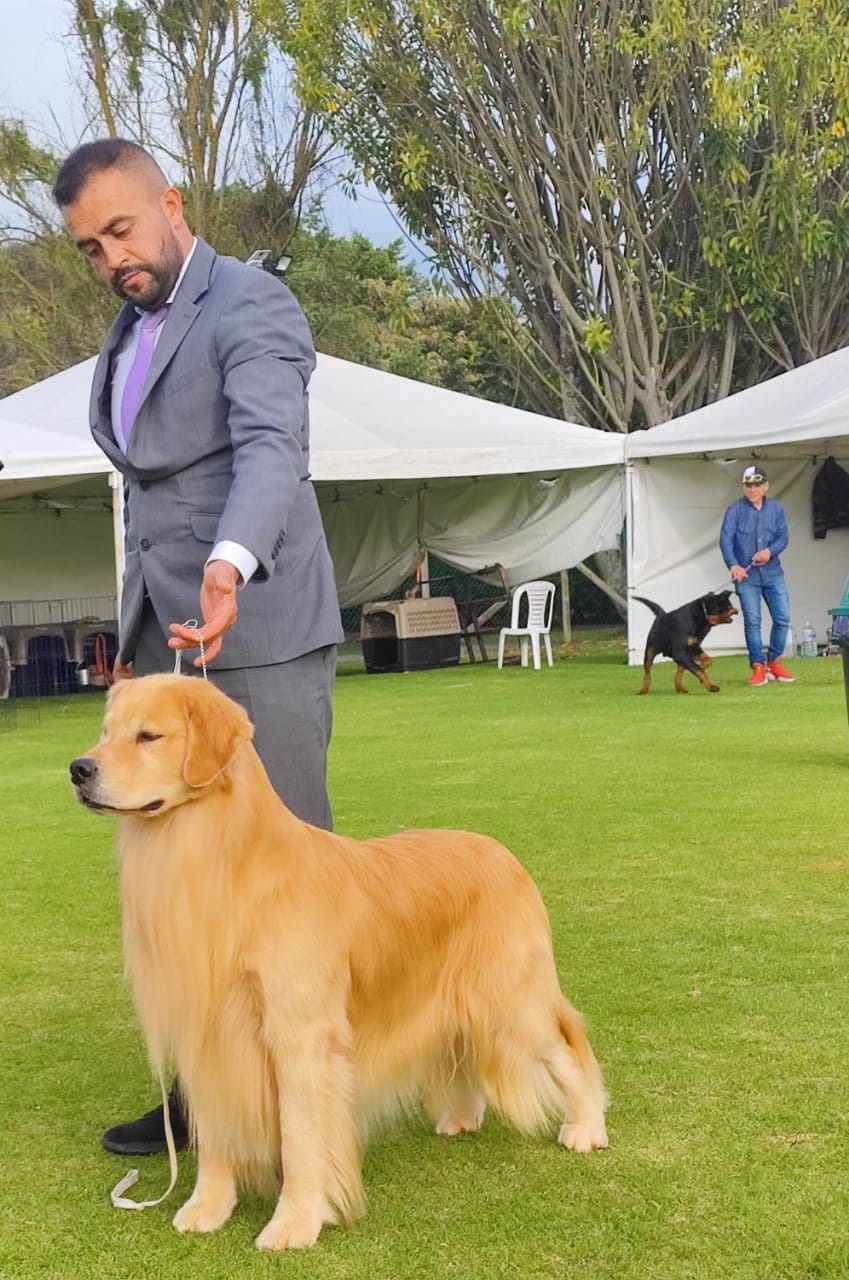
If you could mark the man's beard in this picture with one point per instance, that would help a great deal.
(162, 278)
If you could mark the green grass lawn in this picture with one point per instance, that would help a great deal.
(694, 858)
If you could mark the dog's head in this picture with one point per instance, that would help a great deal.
(718, 607)
(165, 740)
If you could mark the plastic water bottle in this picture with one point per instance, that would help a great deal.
(790, 644)
(809, 641)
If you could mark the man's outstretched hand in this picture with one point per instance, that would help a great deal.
(221, 581)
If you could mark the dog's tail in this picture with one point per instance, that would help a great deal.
(655, 608)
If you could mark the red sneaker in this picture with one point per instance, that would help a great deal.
(758, 676)
(777, 672)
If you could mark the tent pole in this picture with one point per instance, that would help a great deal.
(565, 606)
(116, 484)
(423, 560)
(629, 551)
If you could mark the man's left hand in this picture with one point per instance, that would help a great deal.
(761, 557)
(221, 581)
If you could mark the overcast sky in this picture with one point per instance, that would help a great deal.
(36, 84)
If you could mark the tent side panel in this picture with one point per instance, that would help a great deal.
(530, 525)
(56, 555)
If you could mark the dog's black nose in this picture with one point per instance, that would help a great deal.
(82, 769)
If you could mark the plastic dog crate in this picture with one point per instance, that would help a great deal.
(410, 635)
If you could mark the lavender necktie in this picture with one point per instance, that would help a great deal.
(150, 322)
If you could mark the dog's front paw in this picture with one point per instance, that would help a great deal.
(712, 688)
(205, 1214)
(583, 1137)
(291, 1229)
(461, 1122)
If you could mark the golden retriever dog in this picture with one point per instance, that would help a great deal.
(301, 982)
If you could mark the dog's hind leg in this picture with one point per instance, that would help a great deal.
(451, 1092)
(647, 666)
(573, 1067)
(541, 1065)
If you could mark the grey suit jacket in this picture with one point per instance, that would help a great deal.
(220, 450)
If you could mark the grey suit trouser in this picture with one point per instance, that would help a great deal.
(290, 705)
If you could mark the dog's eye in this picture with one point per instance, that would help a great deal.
(144, 736)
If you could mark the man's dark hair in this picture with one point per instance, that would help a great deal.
(96, 157)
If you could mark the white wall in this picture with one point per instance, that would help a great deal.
(55, 555)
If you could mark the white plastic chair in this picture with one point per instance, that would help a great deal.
(539, 597)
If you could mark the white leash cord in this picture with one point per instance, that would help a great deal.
(117, 1196)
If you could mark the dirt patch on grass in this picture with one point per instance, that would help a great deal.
(790, 1139)
(600, 641)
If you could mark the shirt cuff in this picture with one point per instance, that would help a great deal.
(234, 553)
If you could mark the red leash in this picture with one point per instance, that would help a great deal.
(101, 660)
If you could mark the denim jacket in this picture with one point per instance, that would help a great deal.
(746, 530)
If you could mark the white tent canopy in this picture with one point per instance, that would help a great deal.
(369, 425)
(682, 475)
(38, 458)
(397, 464)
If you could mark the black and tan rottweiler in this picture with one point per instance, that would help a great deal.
(679, 635)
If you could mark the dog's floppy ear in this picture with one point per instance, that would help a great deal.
(215, 727)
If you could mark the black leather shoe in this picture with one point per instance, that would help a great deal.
(146, 1136)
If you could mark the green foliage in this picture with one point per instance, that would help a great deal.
(22, 164)
(196, 82)
(54, 311)
(776, 192)
(364, 303)
(597, 335)
(660, 188)
(130, 28)
(54, 314)
(190, 80)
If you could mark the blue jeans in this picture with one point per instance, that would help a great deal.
(773, 591)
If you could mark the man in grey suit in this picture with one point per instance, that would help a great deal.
(200, 400)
